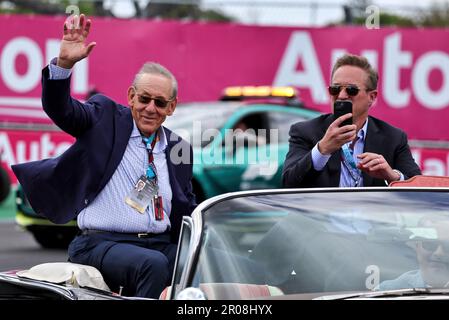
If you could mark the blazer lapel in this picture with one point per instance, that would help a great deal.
(374, 142)
(176, 190)
(334, 165)
(123, 126)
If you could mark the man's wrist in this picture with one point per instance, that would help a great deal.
(399, 174)
(321, 149)
(319, 160)
(56, 72)
(64, 63)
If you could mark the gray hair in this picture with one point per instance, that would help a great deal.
(156, 68)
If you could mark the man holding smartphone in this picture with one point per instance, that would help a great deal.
(328, 151)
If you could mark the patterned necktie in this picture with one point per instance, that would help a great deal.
(347, 157)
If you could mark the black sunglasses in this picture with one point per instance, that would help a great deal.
(158, 102)
(432, 245)
(351, 90)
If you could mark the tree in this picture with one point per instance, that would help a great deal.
(437, 16)
(389, 19)
(48, 7)
(170, 9)
(191, 10)
(30, 6)
(355, 13)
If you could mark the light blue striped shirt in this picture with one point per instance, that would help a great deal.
(108, 211)
(56, 72)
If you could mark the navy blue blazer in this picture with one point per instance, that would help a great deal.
(59, 188)
(381, 138)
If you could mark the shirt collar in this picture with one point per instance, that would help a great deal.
(362, 132)
(360, 135)
(162, 143)
(135, 133)
(159, 146)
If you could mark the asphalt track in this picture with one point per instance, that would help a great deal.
(18, 249)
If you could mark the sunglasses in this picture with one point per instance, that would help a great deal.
(432, 245)
(351, 90)
(158, 102)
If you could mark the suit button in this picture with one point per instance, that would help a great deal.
(86, 201)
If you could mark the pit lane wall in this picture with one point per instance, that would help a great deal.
(206, 57)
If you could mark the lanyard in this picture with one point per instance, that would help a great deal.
(348, 161)
(149, 143)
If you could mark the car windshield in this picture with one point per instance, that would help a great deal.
(190, 120)
(314, 243)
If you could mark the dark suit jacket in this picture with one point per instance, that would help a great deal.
(380, 138)
(59, 188)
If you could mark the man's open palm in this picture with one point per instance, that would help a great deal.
(73, 45)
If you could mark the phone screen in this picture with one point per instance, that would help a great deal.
(342, 107)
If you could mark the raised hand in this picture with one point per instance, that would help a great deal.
(73, 45)
(337, 136)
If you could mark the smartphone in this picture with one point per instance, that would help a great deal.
(342, 107)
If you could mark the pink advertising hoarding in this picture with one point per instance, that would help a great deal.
(18, 146)
(413, 64)
(21, 146)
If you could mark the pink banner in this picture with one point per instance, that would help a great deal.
(18, 146)
(206, 57)
(434, 162)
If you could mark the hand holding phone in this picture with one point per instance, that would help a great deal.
(342, 107)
